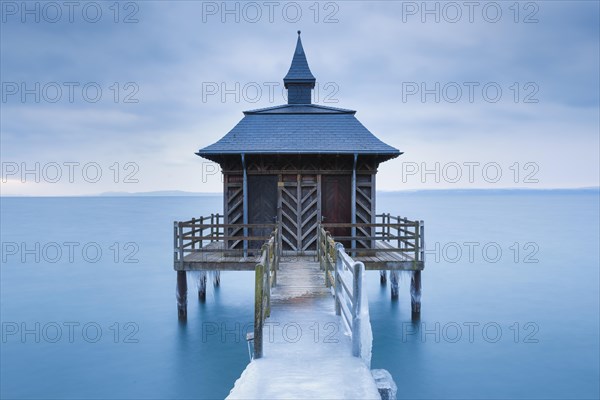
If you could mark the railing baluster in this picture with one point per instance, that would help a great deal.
(194, 232)
(357, 269)
(417, 230)
(422, 242)
(175, 243)
(180, 233)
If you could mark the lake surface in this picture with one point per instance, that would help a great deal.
(510, 303)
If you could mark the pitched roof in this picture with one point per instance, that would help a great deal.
(299, 71)
(299, 129)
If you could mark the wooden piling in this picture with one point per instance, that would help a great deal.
(182, 294)
(394, 286)
(415, 294)
(202, 286)
(383, 277)
(258, 309)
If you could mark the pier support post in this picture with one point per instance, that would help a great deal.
(383, 277)
(394, 281)
(202, 286)
(258, 310)
(415, 294)
(182, 295)
(216, 278)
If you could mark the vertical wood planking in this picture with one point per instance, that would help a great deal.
(258, 317)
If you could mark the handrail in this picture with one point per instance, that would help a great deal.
(348, 294)
(265, 277)
(326, 255)
(396, 234)
(346, 275)
(209, 234)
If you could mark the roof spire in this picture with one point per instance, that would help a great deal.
(299, 80)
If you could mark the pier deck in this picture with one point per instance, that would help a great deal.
(307, 353)
(210, 258)
(393, 243)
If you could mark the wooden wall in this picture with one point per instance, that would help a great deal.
(300, 194)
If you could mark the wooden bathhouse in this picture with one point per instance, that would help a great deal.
(303, 172)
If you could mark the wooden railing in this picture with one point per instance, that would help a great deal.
(326, 255)
(264, 279)
(348, 294)
(211, 235)
(388, 234)
(346, 275)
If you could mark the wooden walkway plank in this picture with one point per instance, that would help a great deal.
(307, 354)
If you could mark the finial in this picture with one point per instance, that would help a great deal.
(299, 32)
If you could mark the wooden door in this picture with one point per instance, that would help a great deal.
(262, 205)
(335, 203)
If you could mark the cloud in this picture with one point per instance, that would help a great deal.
(370, 55)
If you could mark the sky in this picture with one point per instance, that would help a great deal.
(117, 97)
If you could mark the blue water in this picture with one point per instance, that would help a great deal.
(492, 326)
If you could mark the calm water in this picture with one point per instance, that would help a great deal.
(495, 323)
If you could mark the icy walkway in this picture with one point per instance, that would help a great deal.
(306, 352)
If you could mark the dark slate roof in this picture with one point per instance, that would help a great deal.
(299, 70)
(299, 129)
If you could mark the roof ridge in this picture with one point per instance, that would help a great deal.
(298, 107)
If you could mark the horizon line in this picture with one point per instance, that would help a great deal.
(181, 193)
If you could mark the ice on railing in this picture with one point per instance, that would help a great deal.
(366, 334)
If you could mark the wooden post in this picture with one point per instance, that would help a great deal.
(212, 227)
(175, 246)
(202, 286)
(415, 294)
(194, 232)
(338, 284)
(180, 241)
(267, 284)
(417, 241)
(216, 278)
(245, 205)
(356, 305)
(182, 295)
(422, 242)
(326, 262)
(399, 231)
(383, 277)
(319, 246)
(353, 207)
(394, 282)
(258, 317)
(388, 228)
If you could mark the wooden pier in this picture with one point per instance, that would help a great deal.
(305, 342)
(207, 244)
(317, 295)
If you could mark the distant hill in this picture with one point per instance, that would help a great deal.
(158, 193)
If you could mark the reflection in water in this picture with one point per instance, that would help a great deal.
(203, 357)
